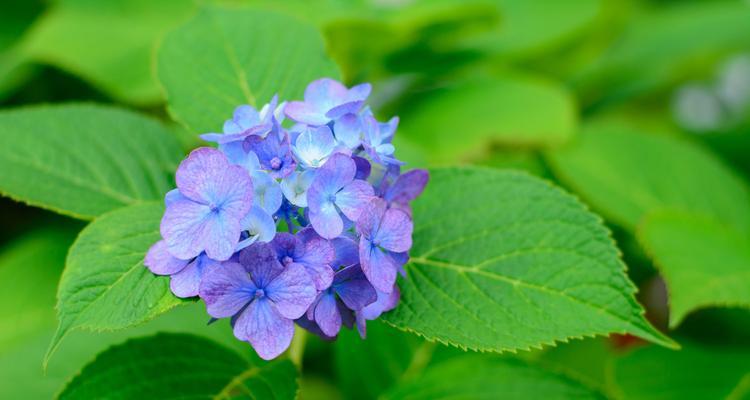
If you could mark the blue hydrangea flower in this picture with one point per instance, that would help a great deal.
(262, 296)
(247, 121)
(349, 290)
(311, 251)
(385, 302)
(267, 191)
(349, 131)
(327, 100)
(273, 152)
(257, 226)
(295, 187)
(377, 140)
(185, 275)
(205, 214)
(334, 191)
(313, 146)
(405, 188)
(384, 232)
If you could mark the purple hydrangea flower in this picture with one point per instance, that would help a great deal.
(273, 151)
(257, 226)
(263, 297)
(377, 140)
(385, 302)
(385, 232)
(311, 251)
(247, 121)
(334, 191)
(205, 214)
(313, 146)
(185, 275)
(348, 131)
(351, 289)
(326, 100)
(405, 188)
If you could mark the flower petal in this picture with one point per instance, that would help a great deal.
(346, 252)
(292, 291)
(327, 315)
(267, 192)
(313, 146)
(348, 131)
(353, 288)
(379, 268)
(295, 187)
(161, 262)
(407, 186)
(326, 93)
(353, 198)
(186, 283)
(395, 231)
(268, 332)
(305, 113)
(226, 289)
(336, 173)
(326, 219)
(206, 177)
(260, 260)
(370, 217)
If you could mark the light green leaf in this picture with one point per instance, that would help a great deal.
(366, 368)
(695, 372)
(223, 58)
(704, 263)
(625, 173)
(529, 27)
(83, 160)
(658, 48)
(505, 261)
(460, 122)
(172, 366)
(108, 43)
(105, 285)
(484, 377)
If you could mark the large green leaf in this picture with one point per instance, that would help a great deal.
(505, 261)
(105, 285)
(172, 366)
(223, 58)
(84, 160)
(460, 122)
(625, 173)
(485, 377)
(659, 48)
(704, 262)
(108, 43)
(695, 372)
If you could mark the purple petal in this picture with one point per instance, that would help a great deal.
(395, 231)
(369, 220)
(259, 225)
(226, 289)
(378, 266)
(237, 155)
(350, 107)
(363, 168)
(346, 252)
(161, 262)
(321, 275)
(354, 289)
(336, 173)
(305, 113)
(325, 93)
(348, 131)
(313, 146)
(326, 220)
(359, 92)
(292, 291)
(268, 332)
(206, 177)
(327, 315)
(315, 249)
(385, 302)
(284, 244)
(172, 196)
(408, 186)
(186, 283)
(353, 198)
(190, 228)
(312, 327)
(260, 260)
(267, 191)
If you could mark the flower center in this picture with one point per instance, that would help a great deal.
(259, 293)
(275, 163)
(287, 260)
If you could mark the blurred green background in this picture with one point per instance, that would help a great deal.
(638, 107)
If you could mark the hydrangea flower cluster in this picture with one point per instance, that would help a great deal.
(308, 224)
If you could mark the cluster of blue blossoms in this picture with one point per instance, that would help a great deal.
(306, 225)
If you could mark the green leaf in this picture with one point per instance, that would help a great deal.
(108, 43)
(695, 372)
(459, 122)
(84, 160)
(529, 27)
(485, 377)
(173, 366)
(659, 48)
(366, 368)
(223, 58)
(105, 285)
(625, 174)
(704, 263)
(505, 261)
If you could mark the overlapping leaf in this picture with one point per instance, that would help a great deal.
(105, 285)
(84, 160)
(172, 366)
(504, 261)
(223, 58)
